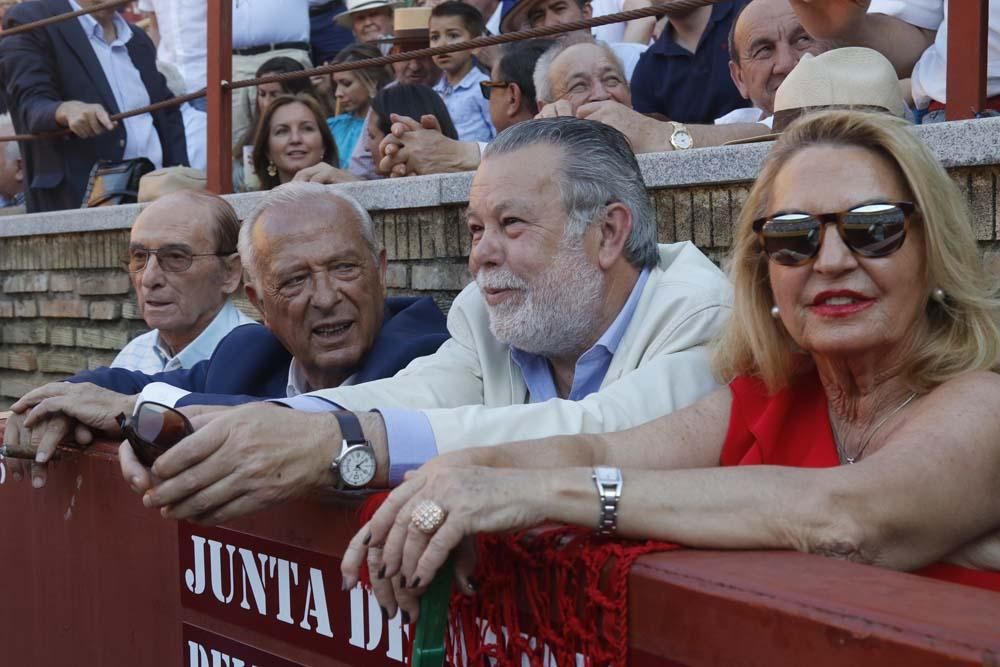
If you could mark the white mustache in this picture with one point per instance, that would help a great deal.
(498, 279)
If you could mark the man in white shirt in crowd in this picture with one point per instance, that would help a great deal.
(184, 266)
(542, 13)
(913, 35)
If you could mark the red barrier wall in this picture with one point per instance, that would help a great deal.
(93, 578)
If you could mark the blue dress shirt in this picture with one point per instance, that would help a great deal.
(141, 139)
(469, 110)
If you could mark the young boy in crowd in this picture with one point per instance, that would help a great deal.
(452, 22)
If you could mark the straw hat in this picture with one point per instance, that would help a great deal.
(410, 28)
(162, 182)
(346, 18)
(848, 78)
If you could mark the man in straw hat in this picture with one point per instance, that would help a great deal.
(411, 34)
(369, 20)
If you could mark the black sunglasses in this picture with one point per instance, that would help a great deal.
(153, 429)
(869, 230)
(486, 87)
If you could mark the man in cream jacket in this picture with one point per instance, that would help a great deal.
(578, 322)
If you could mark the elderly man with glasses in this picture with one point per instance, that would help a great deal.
(315, 271)
(184, 266)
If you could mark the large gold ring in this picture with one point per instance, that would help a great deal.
(427, 516)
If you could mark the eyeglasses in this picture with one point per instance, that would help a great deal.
(153, 429)
(486, 87)
(173, 258)
(869, 230)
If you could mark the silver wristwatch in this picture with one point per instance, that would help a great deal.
(354, 466)
(609, 487)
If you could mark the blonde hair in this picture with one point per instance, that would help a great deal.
(960, 334)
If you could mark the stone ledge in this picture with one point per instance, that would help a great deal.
(957, 144)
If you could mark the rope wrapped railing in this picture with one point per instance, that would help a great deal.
(480, 42)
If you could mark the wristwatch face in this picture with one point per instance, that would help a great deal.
(681, 139)
(357, 466)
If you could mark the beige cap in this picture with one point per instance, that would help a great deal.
(849, 78)
(162, 182)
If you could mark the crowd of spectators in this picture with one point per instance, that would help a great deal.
(697, 77)
(855, 312)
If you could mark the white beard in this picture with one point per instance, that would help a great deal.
(555, 313)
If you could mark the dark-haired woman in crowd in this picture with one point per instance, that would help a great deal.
(862, 414)
(266, 93)
(405, 100)
(293, 135)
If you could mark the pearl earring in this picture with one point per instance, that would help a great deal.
(775, 312)
(272, 169)
(938, 294)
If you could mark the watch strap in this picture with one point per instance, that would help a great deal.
(350, 427)
(609, 488)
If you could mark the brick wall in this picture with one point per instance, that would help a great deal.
(67, 304)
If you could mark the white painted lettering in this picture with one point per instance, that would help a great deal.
(197, 657)
(195, 581)
(256, 581)
(286, 571)
(219, 659)
(215, 561)
(316, 605)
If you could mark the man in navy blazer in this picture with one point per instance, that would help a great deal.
(57, 77)
(317, 274)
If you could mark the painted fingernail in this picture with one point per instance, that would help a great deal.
(381, 572)
(471, 584)
(416, 582)
(405, 617)
(368, 538)
(402, 581)
(385, 613)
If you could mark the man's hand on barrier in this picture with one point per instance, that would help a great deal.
(92, 406)
(647, 135)
(84, 120)
(38, 442)
(417, 148)
(242, 460)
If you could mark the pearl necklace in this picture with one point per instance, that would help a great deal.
(842, 455)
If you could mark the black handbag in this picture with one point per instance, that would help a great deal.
(113, 183)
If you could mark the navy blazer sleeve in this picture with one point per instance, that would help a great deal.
(28, 72)
(129, 382)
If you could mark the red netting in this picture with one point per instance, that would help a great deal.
(546, 597)
(542, 597)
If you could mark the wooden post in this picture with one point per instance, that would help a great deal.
(220, 104)
(967, 27)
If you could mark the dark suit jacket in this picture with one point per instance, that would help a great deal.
(41, 69)
(250, 364)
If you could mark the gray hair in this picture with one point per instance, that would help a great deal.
(299, 193)
(543, 85)
(598, 167)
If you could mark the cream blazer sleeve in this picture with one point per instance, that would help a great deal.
(473, 394)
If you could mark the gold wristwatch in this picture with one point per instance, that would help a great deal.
(680, 138)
